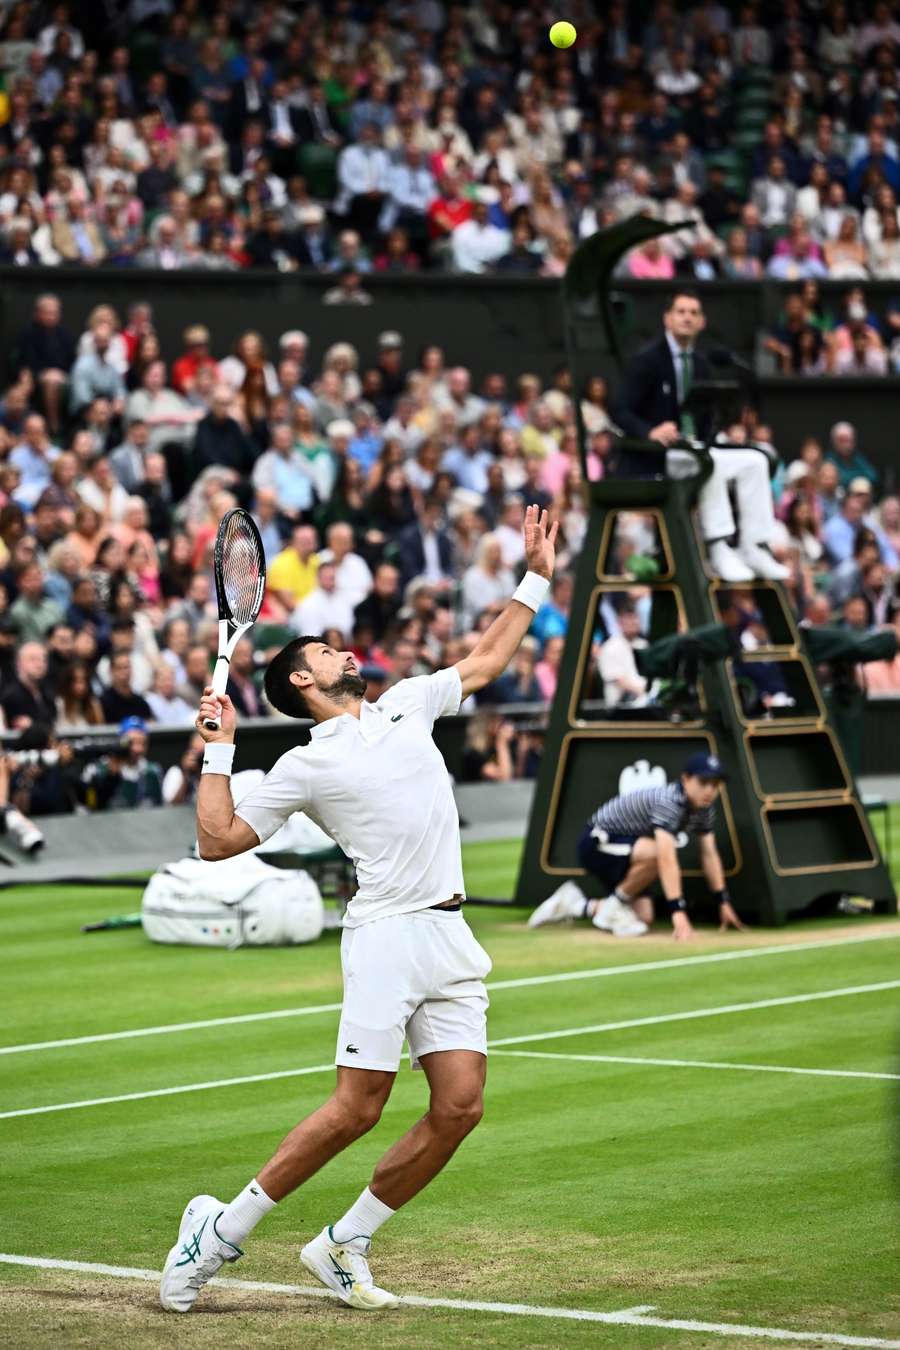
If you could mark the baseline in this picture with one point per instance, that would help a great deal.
(626, 1317)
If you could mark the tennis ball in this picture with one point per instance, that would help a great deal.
(563, 34)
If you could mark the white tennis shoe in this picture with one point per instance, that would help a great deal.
(342, 1267)
(196, 1256)
(566, 902)
(613, 917)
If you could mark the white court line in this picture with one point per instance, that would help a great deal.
(171, 1028)
(527, 982)
(696, 1064)
(506, 1040)
(625, 1317)
(167, 1092)
(697, 1012)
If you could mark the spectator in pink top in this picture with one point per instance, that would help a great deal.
(546, 672)
(650, 263)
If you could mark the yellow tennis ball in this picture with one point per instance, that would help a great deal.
(563, 34)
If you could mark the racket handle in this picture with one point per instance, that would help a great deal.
(219, 684)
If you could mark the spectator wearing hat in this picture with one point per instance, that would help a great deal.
(196, 354)
(125, 779)
(389, 363)
(631, 841)
(340, 432)
(293, 345)
(799, 485)
(313, 242)
(839, 534)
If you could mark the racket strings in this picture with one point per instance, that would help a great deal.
(243, 572)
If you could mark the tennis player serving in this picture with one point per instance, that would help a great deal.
(372, 777)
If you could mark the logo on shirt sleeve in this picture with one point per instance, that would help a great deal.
(396, 717)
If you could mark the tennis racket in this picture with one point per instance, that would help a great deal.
(239, 565)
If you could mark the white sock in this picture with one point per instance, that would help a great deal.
(244, 1213)
(361, 1219)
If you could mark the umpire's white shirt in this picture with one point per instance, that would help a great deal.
(378, 785)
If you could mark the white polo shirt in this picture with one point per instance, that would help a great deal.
(378, 785)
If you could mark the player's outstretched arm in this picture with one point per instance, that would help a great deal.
(501, 641)
(220, 833)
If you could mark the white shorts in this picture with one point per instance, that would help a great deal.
(416, 976)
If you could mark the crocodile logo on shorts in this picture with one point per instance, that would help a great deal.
(351, 1050)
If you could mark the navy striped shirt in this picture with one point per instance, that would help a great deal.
(649, 809)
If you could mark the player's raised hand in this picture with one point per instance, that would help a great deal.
(540, 541)
(212, 707)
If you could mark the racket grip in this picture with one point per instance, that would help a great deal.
(219, 684)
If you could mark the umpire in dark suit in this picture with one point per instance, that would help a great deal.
(652, 406)
(656, 384)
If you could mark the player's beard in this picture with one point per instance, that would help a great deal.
(348, 685)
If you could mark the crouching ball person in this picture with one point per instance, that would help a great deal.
(373, 778)
(631, 841)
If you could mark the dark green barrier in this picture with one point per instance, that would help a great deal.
(488, 323)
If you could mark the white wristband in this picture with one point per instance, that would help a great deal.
(218, 757)
(532, 590)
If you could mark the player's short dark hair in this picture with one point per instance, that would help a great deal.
(280, 692)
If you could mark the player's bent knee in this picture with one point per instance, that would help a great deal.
(358, 1112)
(457, 1116)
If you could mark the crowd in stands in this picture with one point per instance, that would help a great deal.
(814, 337)
(353, 139)
(389, 491)
(388, 488)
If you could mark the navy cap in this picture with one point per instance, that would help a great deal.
(703, 765)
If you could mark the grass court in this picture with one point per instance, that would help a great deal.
(700, 1150)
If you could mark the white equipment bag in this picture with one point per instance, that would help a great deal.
(241, 901)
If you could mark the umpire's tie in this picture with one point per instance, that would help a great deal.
(686, 418)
